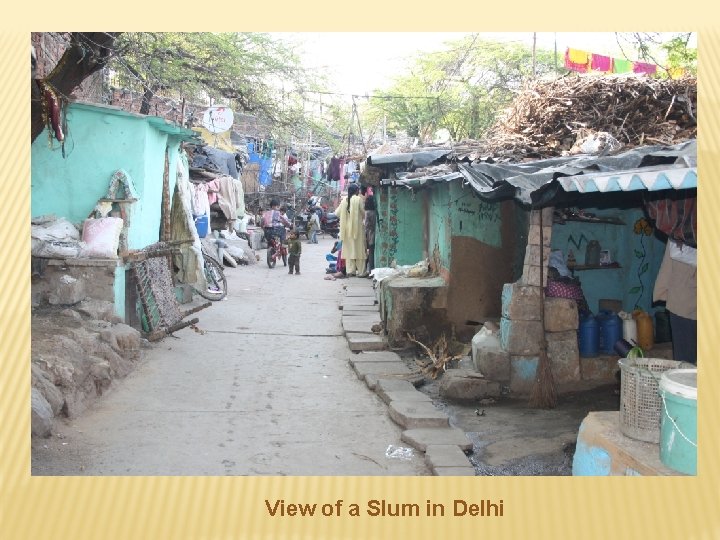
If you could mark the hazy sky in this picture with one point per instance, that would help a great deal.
(363, 61)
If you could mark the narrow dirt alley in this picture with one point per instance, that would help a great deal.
(266, 390)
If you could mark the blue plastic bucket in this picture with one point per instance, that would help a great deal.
(678, 420)
(610, 331)
(589, 336)
(201, 224)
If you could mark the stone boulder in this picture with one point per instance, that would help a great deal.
(467, 385)
(41, 416)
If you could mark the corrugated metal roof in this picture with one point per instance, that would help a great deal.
(539, 182)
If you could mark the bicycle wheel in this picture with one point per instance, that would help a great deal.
(271, 257)
(216, 281)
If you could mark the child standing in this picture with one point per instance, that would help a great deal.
(314, 224)
(294, 250)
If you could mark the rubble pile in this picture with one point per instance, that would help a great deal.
(553, 118)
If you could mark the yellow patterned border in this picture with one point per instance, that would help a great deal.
(77, 508)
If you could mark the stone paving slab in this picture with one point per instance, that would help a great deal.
(365, 342)
(360, 311)
(358, 301)
(360, 292)
(417, 414)
(403, 395)
(414, 377)
(421, 438)
(361, 324)
(446, 455)
(454, 471)
(380, 368)
(375, 356)
(394, 385)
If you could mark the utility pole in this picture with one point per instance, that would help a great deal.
(533, 54)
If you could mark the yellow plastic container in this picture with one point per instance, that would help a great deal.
(645, 331)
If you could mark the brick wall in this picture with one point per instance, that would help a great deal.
(49, 48)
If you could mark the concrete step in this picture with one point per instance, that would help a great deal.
(453, 471)
(421, 438)
(358, 301)
(360, 292)
(417, 414)
(414, 377)
(446, 455)
(375, 356)
(365, 342)
(360, 311)
(403, 395)
(363, 325)
(381, 369)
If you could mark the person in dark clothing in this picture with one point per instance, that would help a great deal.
(294, 250)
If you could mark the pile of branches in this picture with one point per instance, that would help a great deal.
(548, 118)
(439, 354)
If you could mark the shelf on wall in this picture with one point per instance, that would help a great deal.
(595, 267)
(605, 220)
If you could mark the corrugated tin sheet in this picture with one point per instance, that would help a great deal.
(539, 182)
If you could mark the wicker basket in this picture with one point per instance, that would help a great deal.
(640, 403)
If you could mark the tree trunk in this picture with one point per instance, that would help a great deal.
(87, 53)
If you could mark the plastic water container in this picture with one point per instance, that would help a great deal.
(678, 420)
(201, 224)
(645, 332)
(589, 336)
(610, 331)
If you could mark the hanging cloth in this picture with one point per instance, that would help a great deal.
(643, 67)
(601, 63)
(576, 60)
(676, 72)
(622, 66)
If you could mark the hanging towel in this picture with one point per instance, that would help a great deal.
(576, 60)
(601, 63)
(643, 67)
(622, 66)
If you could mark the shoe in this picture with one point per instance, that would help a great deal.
(297, 273)
(364, 274)
(290, 273)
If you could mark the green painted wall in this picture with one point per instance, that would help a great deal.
(400, 232)
(101, 140)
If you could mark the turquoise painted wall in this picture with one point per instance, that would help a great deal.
(400, 232)
(458, 211)
(633, 282)
(100, 141)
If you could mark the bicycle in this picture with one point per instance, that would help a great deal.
(215, 276)
(276, 250)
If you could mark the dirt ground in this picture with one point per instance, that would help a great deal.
(511, 439)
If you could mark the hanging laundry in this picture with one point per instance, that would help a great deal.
(644, 67)
(576, 60)
(200, 203)
(622, 66)
(676, 72)
(601, 63)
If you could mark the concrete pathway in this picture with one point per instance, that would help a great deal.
(267, 389)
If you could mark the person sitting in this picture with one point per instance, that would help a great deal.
(274, 223)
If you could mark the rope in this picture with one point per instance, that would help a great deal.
(677, 428)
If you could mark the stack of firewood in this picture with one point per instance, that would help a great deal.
(548, 118)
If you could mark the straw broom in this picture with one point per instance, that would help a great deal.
(544, 395)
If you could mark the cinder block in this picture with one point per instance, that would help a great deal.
(68, 291)
(547, 216)
(521, 337)
(562, 349)
(532, 255)
(521, 302)
(523, 370)
(561, 314)
(531, 276)
(534, 234)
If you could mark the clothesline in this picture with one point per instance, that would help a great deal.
(584, 62)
